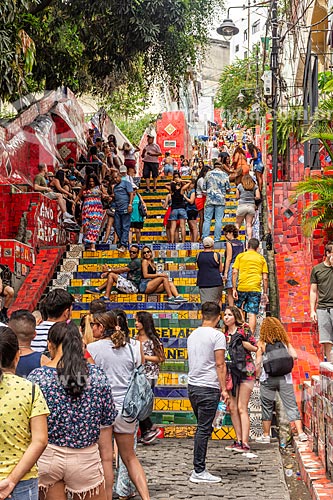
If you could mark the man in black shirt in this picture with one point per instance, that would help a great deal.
(114, 278)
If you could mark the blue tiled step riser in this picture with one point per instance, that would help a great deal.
(96, 275)
(143, 306)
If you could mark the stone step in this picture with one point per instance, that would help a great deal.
(174, 321)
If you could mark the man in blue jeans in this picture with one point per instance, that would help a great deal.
(216, 185)
(123, 195)
(206, 384)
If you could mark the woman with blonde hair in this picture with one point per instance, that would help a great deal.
(118, 357)
(154, 282)
(271, 332)
(247, 192)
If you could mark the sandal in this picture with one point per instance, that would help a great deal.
(128, 497)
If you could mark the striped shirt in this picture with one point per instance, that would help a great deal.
(39, 343)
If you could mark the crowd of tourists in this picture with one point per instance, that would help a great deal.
(105, 183)
(64, 387)
(63, 390)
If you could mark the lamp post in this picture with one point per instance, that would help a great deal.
(228, 28)
(274, 67)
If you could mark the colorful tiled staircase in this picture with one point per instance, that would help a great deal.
(81, 270)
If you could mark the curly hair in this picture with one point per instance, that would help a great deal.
(231, 228)
(272, 331)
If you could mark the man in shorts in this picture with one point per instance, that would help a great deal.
(130, 284)
(40, 185)
(150, 156)
(321, 299)
(250, 268)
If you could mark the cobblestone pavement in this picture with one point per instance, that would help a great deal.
(168, 464)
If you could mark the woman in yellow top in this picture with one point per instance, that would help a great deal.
(23, 425)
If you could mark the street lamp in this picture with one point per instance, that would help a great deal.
(241, 97)
(228, 29)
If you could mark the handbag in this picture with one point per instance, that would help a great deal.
(139, 398)
(142, 209)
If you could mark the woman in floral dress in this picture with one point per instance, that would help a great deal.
(242, 372)
(92, 210)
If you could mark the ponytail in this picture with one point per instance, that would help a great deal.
(111, 329)
(9, 347)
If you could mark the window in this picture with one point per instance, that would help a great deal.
(245, 35)
(255, 27)
(237, 48)
(170, 144)
(245, 54)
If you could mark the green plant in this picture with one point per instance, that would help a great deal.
(320, 209)
(134, 129)
(97, 46)
(288, 123)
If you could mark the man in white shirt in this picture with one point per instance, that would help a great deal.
(57, 307)
(206, 384)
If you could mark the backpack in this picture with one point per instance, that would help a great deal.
(235, 358)
(139, 398)
(276, 360)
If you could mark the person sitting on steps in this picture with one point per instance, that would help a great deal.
(130, 284)
(154, 282)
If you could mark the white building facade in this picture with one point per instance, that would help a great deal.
(251, 23)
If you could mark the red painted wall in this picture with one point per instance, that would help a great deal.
(172, 128)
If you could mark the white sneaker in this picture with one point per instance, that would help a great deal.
(263, 439)
(204, 477)
(67, 215)
(302, 437)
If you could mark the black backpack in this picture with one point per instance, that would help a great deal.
(236, 361)
(277, 360)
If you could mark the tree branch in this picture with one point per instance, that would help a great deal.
(40, 6)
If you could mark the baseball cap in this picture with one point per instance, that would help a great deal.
(123, 169)
(208, 242)
(72, 178)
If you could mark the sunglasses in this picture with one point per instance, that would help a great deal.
(133, 251)
(147, 251)
(93, 324)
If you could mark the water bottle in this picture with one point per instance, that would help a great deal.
(219, 415)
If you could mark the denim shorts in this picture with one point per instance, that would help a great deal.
(258, 167)
(249, 301)
(168, 169)
(178, 214)
(143, 285)
(25, 490)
